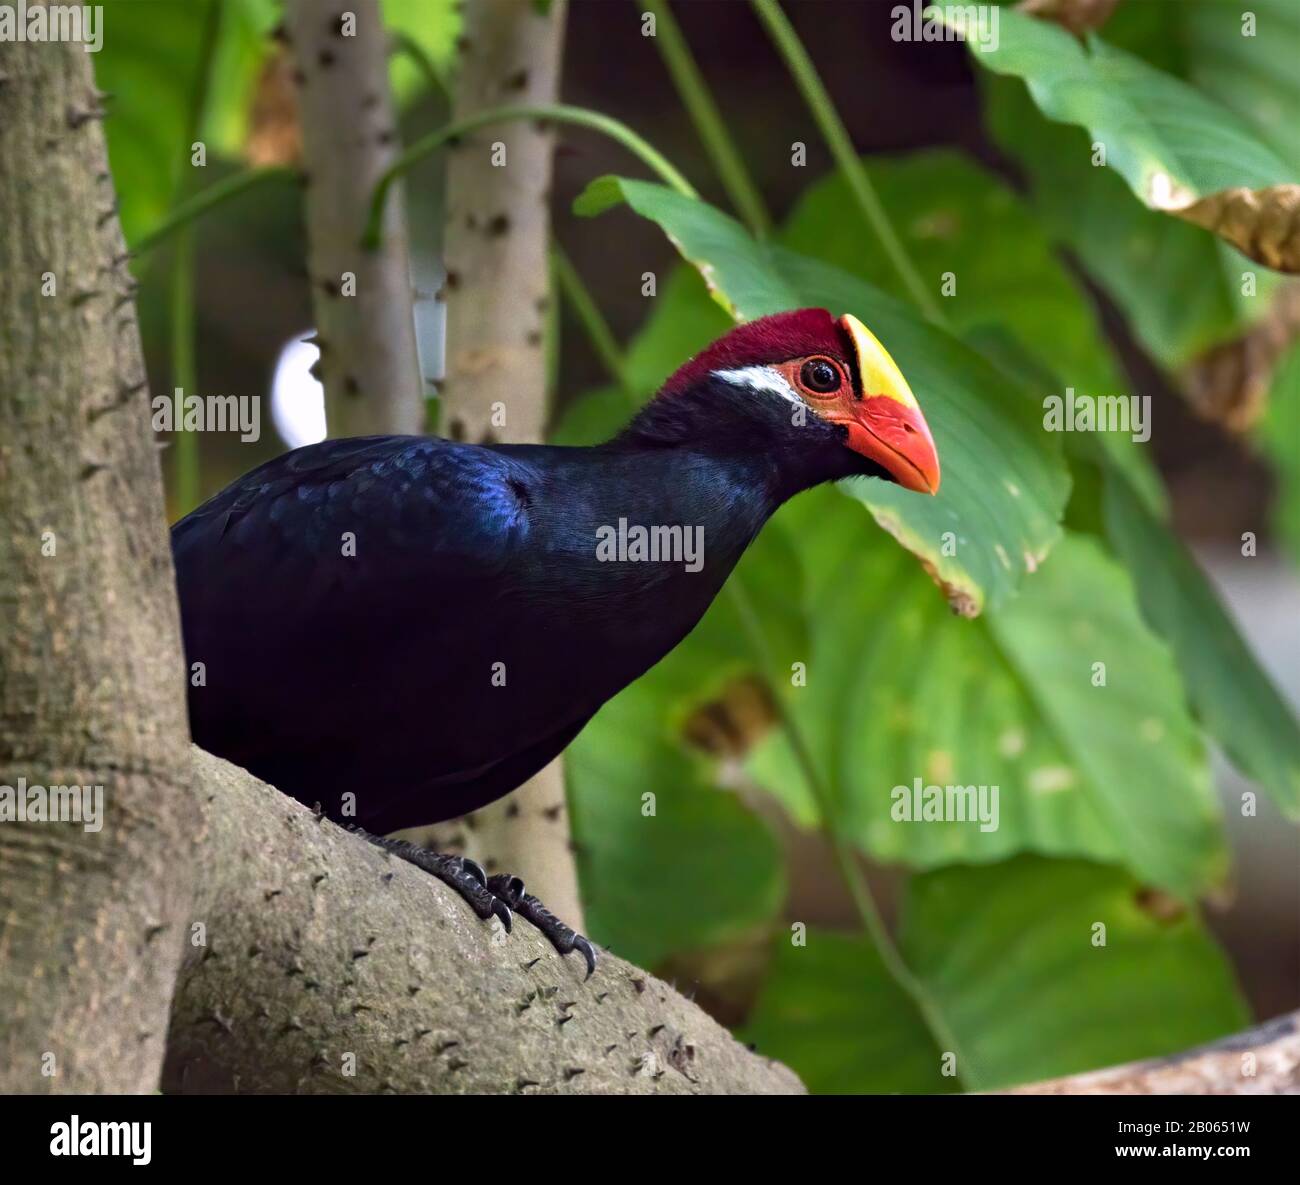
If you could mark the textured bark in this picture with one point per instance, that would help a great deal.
(496, 244)
(369, 363)
(91, 682)
(1263, 1060)
(329, 966)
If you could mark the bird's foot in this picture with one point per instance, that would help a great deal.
(564, 938)
(497, 896)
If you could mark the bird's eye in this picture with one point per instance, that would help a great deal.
(819, 375)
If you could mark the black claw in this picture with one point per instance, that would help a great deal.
(588, 953)
(561, 937)
(500, 895)
(509, 888)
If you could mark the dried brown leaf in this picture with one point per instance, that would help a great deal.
(274, 133)
(1263, 224)
(732, 724)
(1229, 383)
(1079, 16)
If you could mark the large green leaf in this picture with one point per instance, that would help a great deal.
(1131, 739)
(1206, 42)
(898, 690)
(1008, 956)
(957, 220)
(1235, 699)
(1004, 483)
(1118, 496)
(1180, 288)
(1178, 150)
(830, 1012)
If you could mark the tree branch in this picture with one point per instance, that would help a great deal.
(329, 966)
(1262, 1060)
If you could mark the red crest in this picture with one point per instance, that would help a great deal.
(777, 338)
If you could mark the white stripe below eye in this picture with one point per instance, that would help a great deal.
(760, 378)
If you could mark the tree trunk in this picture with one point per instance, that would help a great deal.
(496, 243)
(365, 325)
(91, 690)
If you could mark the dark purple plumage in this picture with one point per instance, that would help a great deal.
(424, 624)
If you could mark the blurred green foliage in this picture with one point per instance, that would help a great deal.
(1016, 957)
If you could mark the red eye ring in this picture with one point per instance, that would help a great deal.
(820, 376)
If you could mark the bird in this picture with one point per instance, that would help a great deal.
(398, 630)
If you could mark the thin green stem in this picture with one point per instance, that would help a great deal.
(832, 128)
(185, 445)
(699, 103)
(589, 315)
(405, 44)
(198, 204)
(850, 872)
(558, 112)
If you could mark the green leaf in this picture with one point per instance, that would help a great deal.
(1179, 151)
(1231, 695)
(954, 219)
(1004, 482)
(1229, 692)
(243, 46)
(1117, 448)
(1205, 42)
(657, 884)
(1018, 941)
(433, 25)
(1179, 287)
(1008, 956)
(594, 417)
(150, 64)
(1279, 436)
(1131, 739)
(898, 690)
(830, 1012)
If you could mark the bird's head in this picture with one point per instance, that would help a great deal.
(821, 390)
